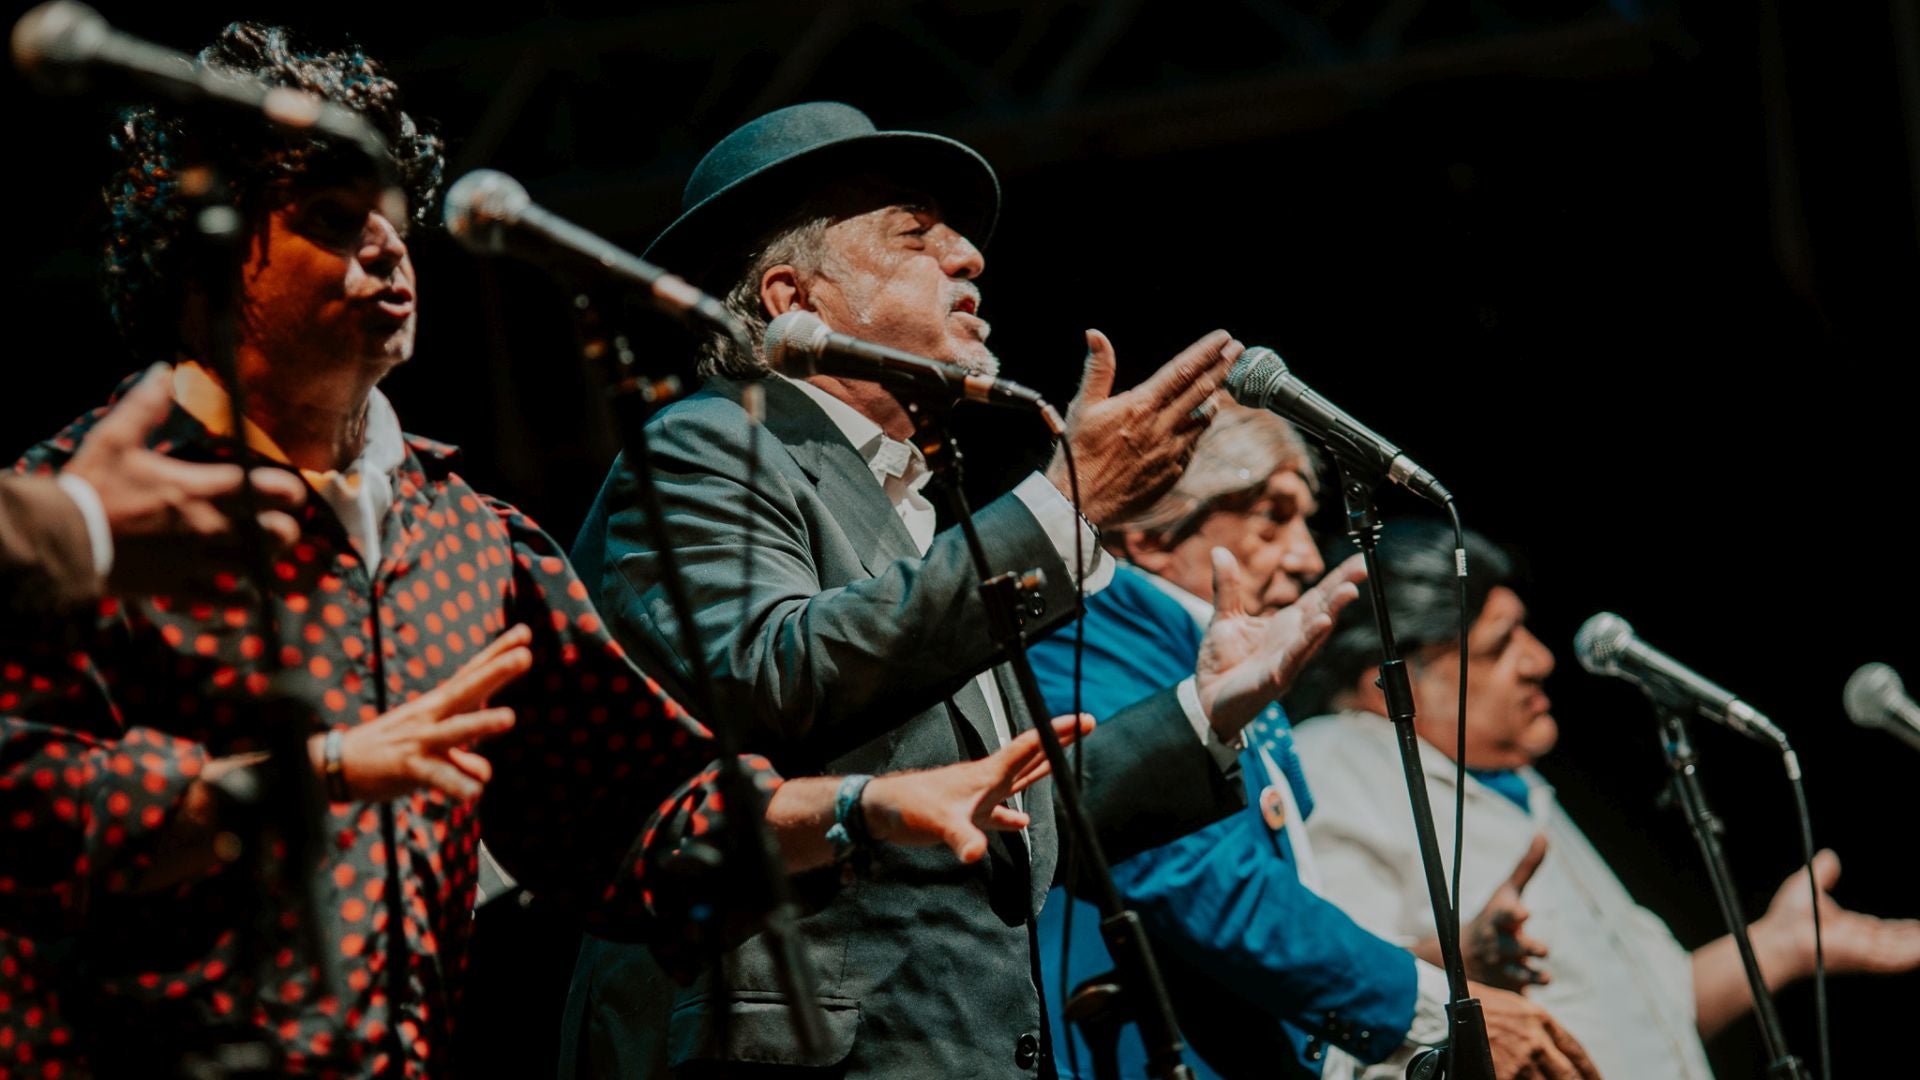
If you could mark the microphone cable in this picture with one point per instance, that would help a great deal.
(1813, 886)
(1460, 754)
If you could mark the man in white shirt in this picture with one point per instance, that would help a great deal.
(1612, 971)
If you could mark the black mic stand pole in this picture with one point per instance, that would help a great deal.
(742, 863)
(1142, 993)
(1707, 829)
(1468, 1053)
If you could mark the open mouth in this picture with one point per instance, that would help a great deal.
(396, 302)
(966, 305)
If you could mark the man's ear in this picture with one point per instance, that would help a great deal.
(780, 291)
(1146, 551)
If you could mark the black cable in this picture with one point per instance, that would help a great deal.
(1813, 885)
(1066, 838)
(1460, 783)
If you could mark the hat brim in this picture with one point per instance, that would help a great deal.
(711, 238)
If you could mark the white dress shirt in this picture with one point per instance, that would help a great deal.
(1621, 984)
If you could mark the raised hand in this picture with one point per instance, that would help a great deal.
(955, 804)
(1130, 447)
(173, 522)
(1246, 660)
(423, 744)
(1853, 942)
(1495, 951)
(1528, 1043)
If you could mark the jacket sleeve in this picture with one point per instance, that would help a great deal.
(804, 664)
(604, 778)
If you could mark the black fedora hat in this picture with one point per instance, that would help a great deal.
(752, 179)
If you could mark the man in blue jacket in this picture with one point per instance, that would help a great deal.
(1266, 976)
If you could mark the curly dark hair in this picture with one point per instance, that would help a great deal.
(145, 275)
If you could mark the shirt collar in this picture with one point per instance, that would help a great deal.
(888, 457)
(1201, 611)
(204, 399)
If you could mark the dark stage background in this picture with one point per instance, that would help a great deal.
(1636, 279)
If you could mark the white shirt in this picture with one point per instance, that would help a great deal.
(902, 473)
(1429, 1027)
(1621, 984)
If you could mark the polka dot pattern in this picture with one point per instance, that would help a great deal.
(601, 778)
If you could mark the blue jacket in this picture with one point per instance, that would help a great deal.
(1263, 972)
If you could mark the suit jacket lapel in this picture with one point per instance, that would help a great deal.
(839, 473)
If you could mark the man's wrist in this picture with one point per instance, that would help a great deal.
(1781, 959)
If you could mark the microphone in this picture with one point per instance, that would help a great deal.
(1607, 645)
(64, 46)
(1876, 698)
(799, 344)
(1261, 379)
(490, 213)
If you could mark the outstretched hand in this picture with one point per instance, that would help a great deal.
(1852, 941)
(955, 805)
(1246, 660)
(1495, 951)
(1130, 447)
(423, 744)
(175, 523)
(1527, 1042)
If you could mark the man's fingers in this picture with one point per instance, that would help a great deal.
(1007, 819)
(278, 488)
(1096, 378)
(1523, 871)
(1826, 869)
(280, 527)
(466, 728)
(140, 411)
(443, 777)
(471, 763)
(1228, 600)
(1576, 1055)
(967, 843)
(209, 482)
(504, 659)
(1177, 375)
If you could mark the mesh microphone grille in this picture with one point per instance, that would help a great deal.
(55, 34)
(788, 341)
(1870, 694)
(1254, 376)
(1600, 641)
(479, 203)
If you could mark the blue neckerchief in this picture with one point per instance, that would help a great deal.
(1506, 782)
(1273, 730)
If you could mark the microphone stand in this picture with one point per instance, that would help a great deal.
(1468, 1055)
(741, 861)
(1707, 829)
(1140, 994)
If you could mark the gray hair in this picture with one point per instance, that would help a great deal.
(1237, 454)
(799, 242)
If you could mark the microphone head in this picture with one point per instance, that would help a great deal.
(1255, 376)
(792, 343)
(53, 40)
(480, 206)
(1871, 694)
(1600, 642)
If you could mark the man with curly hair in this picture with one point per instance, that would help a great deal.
(412, 617)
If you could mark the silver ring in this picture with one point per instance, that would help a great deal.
(1203, 412)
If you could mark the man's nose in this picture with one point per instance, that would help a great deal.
(381, 245)
(960, 258)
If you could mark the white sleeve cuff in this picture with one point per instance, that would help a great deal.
(99, 533)
(1429, 1026)
(1225, 754)
(1061, 521)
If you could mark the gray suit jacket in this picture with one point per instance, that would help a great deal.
(841, 649)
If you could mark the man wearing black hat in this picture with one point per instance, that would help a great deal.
(849, 635)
